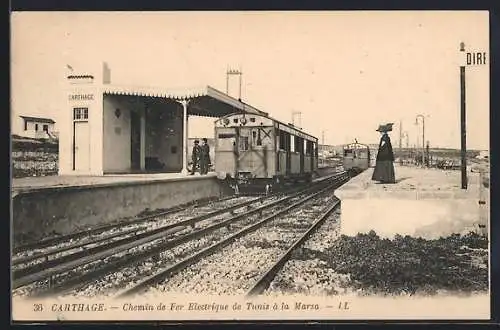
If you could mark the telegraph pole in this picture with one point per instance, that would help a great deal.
(423, 135)
(427, 159)
(470, 58)
(400, 142)
(463, 141)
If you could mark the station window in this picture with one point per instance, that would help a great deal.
(45, 128)
(80, 113)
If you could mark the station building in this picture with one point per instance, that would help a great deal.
(110, 129)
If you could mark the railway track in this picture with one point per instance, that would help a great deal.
(59, 274)
(129, 230)
(167, 273)
(89, 233)
(265, 280)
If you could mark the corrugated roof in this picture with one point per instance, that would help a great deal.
(181, 94)
(39, 119)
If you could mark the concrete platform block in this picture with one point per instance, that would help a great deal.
(423, 203)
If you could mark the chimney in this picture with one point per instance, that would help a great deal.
(106, 73)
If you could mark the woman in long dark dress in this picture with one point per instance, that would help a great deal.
(384, 167)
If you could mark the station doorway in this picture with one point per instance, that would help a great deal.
(135, 141)
(81, 140)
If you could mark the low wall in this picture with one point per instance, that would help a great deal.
(423, 211)
(62, 210)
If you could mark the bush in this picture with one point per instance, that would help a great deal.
(410, 265)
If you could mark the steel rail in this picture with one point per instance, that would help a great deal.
(154, 251)
(265, 280)
(114, 265)
(81, 254)
(26, 274)
(102, 228)
(45, 255)
(166, 272)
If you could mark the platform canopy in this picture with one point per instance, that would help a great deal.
(204, 101)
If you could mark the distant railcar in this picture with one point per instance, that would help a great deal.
(356, 157)
(257, 150)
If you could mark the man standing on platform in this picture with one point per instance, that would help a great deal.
(384, 167)
(196, 156)
(204, 157)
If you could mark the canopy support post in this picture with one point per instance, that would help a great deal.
(185, 118)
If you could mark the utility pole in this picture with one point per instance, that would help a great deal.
(400, 142)
(463, 144)
(423, 135)
(427, 159)
(233, 72)
(323, 137)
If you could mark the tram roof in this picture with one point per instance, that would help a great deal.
(356, 146)
(204, 101)
(290, 128)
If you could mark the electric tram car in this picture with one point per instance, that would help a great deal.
(356, 157)
(260, 152)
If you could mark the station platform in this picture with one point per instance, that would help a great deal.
(31, 184)
(426, 203)
(59, 205)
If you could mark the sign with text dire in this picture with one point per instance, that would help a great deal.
(474, 59)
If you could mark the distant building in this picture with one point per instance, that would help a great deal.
(37, 128)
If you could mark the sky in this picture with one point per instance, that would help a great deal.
(346, 72)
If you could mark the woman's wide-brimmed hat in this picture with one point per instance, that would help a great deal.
(385, 128)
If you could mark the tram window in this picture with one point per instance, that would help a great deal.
(292, 143)
(235, 120)
(282, 140)
(252, 120)
(257, 137)
(297, 144)
(226, 135)
(243, 143)
(309, 147)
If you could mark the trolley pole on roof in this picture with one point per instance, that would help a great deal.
(299, 114)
